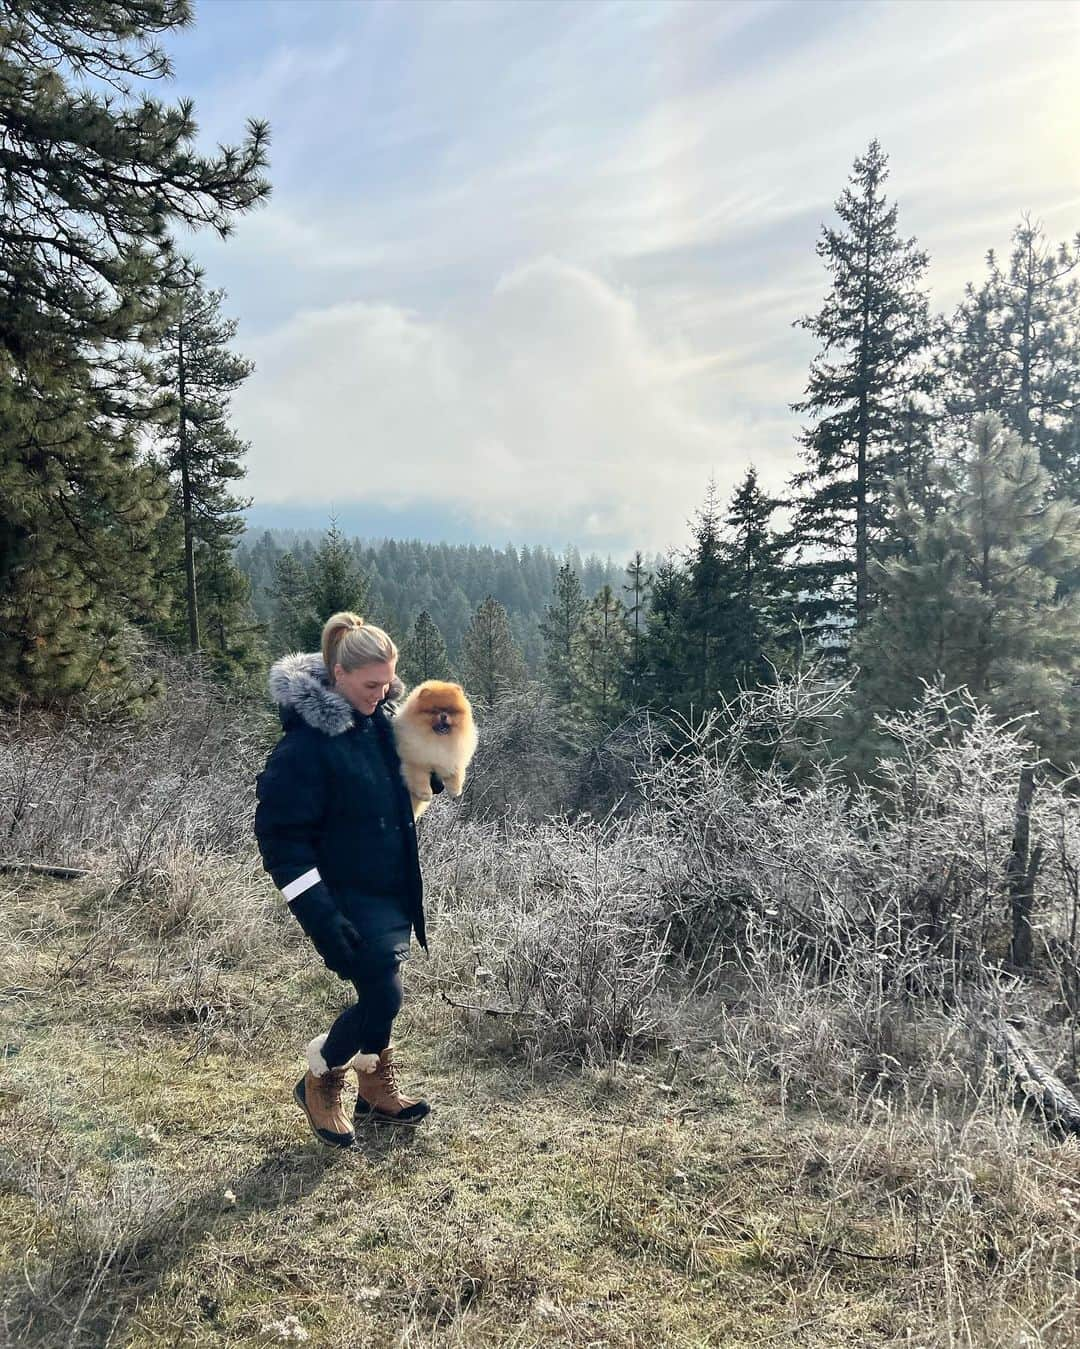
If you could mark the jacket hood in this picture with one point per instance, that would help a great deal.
(300, 684)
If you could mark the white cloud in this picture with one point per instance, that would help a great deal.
(542, 261)
(549, 412)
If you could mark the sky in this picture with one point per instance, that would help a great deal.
(529, 271)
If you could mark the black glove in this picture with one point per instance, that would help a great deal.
(334, 937)
(437, 784)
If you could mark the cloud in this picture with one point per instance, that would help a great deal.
(540, 263)
(550, 413)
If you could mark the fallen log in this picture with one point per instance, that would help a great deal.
(45, 869)
(1033, 1079)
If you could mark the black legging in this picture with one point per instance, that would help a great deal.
(364, 1028)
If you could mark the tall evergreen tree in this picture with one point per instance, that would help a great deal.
(876, 333)
(559, 629)
(292, 613)
(705, 606)
(602, 648)
(80, 524)
(234, 640)
(757, 582)
(199, 374)
(636, 587)
(423, 653)
(1015, 350)
(335, 582)
(94, 178)
(975, 595)
(665, 680)
(492, 665)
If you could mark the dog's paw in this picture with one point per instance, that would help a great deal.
(364, 1063)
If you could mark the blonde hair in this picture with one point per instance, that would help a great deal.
(350, 642)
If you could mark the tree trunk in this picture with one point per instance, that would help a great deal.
(185, 488)
(1020, 871)
(1025, 348)
(862, 569)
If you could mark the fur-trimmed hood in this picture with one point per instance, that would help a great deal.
(300, 684)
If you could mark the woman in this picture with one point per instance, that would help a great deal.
(335, 829)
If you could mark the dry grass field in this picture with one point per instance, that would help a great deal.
(160, 1188)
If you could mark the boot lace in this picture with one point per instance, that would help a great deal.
(330, 1084)
(389, 1076)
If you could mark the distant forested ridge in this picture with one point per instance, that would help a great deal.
(448, 581)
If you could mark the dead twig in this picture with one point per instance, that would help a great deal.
(486, 1011)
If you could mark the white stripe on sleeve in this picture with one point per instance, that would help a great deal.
(302, 883)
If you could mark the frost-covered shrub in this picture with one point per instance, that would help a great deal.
(548, 927)
(97, 790)
(739, 848)
(910, 867)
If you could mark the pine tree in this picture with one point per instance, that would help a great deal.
(975, 597)
(80, 520)
(665, 682)
(456, 614)
(334, 582)
(423, 654)
(757, 623)
(636, 588)
(876, 333)
(94, 178)
(559, 629)
(1015, 350)
(234, 640)
(94, 175)
(258, 562)
(602, 647)
(293, 616)
(706, 604)
(491, 663)
(199, 374)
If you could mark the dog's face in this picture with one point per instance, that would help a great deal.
(442, 706)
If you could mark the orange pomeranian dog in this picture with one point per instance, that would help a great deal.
(435, 733)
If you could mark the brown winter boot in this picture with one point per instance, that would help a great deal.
(318, 1094)
(379, 1098)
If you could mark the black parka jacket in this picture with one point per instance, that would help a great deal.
(332, 808)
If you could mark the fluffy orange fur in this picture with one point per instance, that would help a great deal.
(435, 732)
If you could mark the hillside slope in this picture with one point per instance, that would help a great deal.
(159, 1187)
